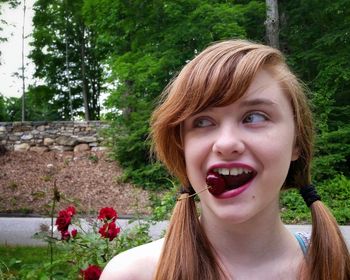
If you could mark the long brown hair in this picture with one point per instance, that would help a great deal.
(219, 76)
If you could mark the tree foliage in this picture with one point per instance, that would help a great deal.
(3, 112)
(3, 23)
(10, 109)
(149, 41)
(316, 37)
(54, 23)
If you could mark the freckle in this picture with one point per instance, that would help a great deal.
(253, 197)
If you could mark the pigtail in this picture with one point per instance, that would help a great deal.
(187, 253)
(328, 256)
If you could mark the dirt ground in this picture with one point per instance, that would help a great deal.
(87, 180)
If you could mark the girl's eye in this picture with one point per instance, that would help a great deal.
(255, 117)
(202, 122)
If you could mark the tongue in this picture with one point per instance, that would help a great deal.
(233, 182)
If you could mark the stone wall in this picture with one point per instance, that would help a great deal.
(48, 136)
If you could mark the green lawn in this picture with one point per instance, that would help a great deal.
(27, 262)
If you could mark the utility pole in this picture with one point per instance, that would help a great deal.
(85, 88)
(272, 23)
(23, 77)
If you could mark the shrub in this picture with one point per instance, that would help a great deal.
(128, 138)
(79, 250)
(335, 194)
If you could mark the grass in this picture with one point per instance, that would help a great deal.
(18, 262)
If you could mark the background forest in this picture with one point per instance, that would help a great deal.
(129, 50)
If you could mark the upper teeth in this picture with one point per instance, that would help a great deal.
(232, 171)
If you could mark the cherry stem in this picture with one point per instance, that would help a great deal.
(206, 188)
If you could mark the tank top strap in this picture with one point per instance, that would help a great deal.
(303, 240)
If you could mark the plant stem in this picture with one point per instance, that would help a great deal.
(51, 232)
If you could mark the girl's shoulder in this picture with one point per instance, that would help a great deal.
(138, 263)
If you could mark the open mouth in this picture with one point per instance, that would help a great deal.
(222, 180)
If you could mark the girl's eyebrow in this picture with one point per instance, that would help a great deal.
(257, 101)
(246, 103)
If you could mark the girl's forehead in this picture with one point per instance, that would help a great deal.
(262, 86)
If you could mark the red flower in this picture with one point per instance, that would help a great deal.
(65, 235)
(109, 230)
(107, 213)
(71, 210)
(63, 220)
(93, 272)
(74, 232)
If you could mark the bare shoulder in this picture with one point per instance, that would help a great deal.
(138, 263)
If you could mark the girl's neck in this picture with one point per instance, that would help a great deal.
(263, 234)
(254, 245)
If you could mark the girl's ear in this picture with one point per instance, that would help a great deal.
(295, 153)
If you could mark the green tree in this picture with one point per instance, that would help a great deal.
(55, 24)
(40, 105)
(147, 42)
(10, 109)
(315, 35)
(3, 111)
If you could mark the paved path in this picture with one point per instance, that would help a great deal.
(19, 231)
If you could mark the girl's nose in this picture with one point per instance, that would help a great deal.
(228, 143)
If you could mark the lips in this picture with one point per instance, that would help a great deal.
(222, 180)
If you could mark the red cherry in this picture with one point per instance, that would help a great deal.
(216, 182)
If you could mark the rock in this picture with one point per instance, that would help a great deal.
(81, 148)
(2, 129)
(13, 138)
(99, 149)
(81, 124)
(93, 144)
(61, 148)
(41, 128)
(87, 139)
(38, 141)
(48, 141)
(66, 141)
(24, 147)
(39, 150)
(66, 133)
(27, 137)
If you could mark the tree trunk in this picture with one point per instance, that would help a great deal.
(83, 77)
(95, 98)
(272, 23)
(128, 109)
(67, 65)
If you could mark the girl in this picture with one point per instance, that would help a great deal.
(235, 128)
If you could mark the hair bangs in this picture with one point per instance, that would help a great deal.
(216, 79)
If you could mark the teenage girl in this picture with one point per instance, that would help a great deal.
(235, 128)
